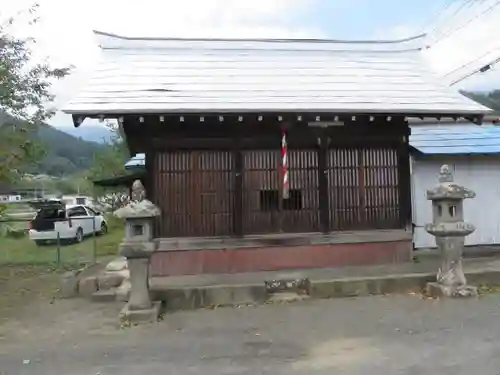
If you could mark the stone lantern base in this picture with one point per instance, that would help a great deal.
(437, 290)
(150, 315)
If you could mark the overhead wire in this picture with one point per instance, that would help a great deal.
(475, 71)
(484, 67)
(437, 21)
(441, 37)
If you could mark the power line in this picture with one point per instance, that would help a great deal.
(483, 69)
(441, 37)
(438, 16)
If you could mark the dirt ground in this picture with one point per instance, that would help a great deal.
(21, 286)
(43, 335)
(32, 312)
(24, 288)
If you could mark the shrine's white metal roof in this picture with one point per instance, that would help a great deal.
(148, 75)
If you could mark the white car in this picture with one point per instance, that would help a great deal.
(72, 223)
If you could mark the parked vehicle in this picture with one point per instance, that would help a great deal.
(72, 223)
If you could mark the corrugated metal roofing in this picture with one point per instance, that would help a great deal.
(456, 139)
(199, 76)
(137, 161)
(431, 140)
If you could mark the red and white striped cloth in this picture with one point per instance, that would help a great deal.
(284, 161)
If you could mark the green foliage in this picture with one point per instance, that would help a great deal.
(9, 227)
(24, 86)
(18, 147)
(115, 223)
(52, 151)
(490, 99)
(110, 162)
(24, 94)
(24, 251)
(5, 227)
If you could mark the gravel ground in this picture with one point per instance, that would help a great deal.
(375, 335)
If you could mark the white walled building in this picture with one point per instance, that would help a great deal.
(473, 153)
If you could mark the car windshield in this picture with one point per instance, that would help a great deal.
(91, 211)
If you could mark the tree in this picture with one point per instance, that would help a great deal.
(24, 98)
(490, 99)
(110, 162)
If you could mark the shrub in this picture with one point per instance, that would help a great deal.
(4, 225)
(15, 233)
(114, 222)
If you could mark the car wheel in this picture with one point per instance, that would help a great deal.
(79, 235)
(39, 243)
(104, 229)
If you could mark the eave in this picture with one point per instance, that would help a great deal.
(285, 117)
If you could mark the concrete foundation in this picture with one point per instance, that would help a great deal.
(195, 256)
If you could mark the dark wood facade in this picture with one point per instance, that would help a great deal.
(213, 178)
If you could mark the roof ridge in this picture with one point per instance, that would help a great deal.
(264, 40)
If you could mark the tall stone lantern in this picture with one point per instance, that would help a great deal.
(137, 247)
(450, 230)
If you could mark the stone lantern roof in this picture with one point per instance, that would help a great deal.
(447, 189)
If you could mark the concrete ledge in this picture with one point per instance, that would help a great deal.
(354, 287)
(192, 297)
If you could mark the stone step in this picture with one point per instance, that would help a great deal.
(287, 288)
(286, 297)
(288, 283)
(198, 295)
(108, 295)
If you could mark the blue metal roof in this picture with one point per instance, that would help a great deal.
(138, 161)
(467, 139)
(435, 139)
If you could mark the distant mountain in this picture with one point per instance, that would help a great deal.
(92, 133)
(65, 153)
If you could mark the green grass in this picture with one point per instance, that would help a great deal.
(24, 251)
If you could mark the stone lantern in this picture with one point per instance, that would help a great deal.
(137, 247)
(450, 230)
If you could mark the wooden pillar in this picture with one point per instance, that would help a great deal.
(196, 191)
(238, 171)
(404, 182)
(149, 182)
(324, 202)
(361, 188)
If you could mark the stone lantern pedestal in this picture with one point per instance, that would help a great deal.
(137, 247)
(450, 230)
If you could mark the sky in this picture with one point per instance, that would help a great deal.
(64, 30)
